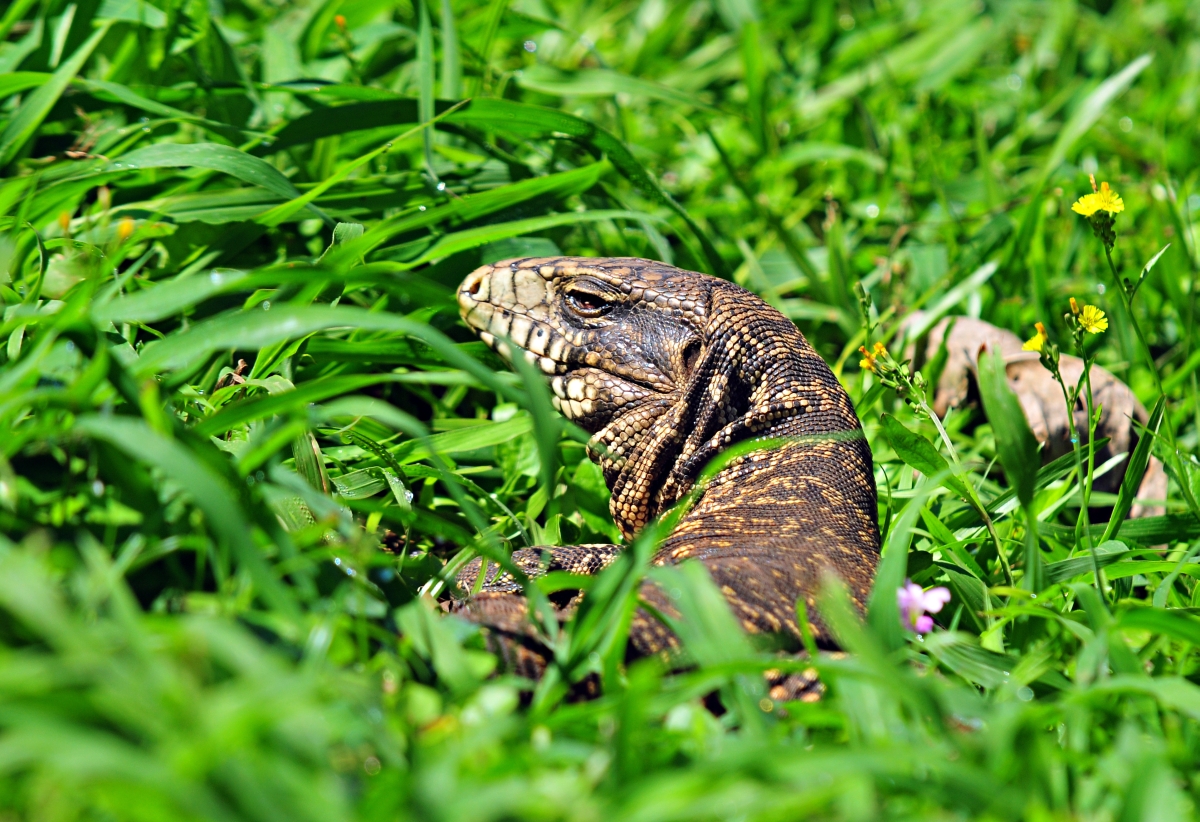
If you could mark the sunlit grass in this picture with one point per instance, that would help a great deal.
(249, 443)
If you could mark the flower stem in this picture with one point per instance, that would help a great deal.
(974, 500)
(1167, 428)
(941, 430)
(1084, 514)
(1077, 446)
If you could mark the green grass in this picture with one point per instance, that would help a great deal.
(197, 616)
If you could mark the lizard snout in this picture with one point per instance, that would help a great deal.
(508, 308)
(474, 288)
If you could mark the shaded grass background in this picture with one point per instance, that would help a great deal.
(211, 594)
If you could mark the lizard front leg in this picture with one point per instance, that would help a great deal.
(502, 611)
(585, 560)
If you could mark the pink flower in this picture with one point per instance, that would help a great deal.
(914, 601)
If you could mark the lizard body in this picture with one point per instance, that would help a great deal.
(667, 368)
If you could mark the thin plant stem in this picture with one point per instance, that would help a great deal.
(1168, 428)
(1137, 328)
(940, 429)
(1078, 448)
(976, 503)
(1091, 452)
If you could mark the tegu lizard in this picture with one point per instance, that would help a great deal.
(666, 368)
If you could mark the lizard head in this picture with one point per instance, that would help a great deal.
(664, 367)
(611, 334)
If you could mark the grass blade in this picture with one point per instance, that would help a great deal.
(212, 156)
(1139, 461)
(213, 495)
(33, 111)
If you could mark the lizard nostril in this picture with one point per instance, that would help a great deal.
(475, 289)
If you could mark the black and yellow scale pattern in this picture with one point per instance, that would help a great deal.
(666, 368)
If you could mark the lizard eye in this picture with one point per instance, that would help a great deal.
(588, 305)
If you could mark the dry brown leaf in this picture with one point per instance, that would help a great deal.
(1042, 399)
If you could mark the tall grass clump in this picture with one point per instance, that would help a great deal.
(246, 442)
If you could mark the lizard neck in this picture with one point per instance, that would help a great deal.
(758, 378)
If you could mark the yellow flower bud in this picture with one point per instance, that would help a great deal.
(1038, 340)
(125, 228)
(867, 363)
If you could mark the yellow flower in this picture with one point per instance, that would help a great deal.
(1092, 320)
(125, 229)
(1036, 342)
(1074, 307)
(867, 363)
(1103, 200)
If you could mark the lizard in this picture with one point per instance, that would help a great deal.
(665, 369)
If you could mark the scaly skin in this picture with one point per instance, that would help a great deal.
(666, 368)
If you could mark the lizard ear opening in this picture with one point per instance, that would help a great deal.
(691, 356)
